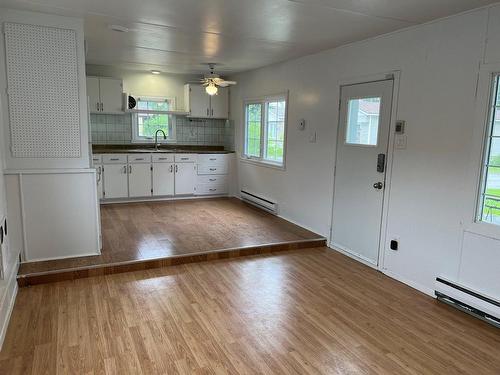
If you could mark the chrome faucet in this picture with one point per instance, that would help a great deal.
(156, 138)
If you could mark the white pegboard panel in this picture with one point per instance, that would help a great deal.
(42, 80)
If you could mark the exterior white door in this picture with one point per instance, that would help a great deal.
(163, 179)
(115, 181)
(185, 178)
(363, 137)
(139, 180)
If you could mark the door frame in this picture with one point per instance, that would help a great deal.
(395, 75)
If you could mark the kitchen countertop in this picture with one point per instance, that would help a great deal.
(142, 149)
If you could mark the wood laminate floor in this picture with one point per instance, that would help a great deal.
(312, 311)
(158, 230)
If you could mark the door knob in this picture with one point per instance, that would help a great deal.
(378, 185)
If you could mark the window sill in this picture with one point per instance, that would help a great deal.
(262, 163)
(484, 229)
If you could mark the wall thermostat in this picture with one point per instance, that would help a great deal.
(302, 124)
(400, 127)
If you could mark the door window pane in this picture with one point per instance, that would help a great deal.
(362, 121)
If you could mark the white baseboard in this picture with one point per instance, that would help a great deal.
(7, 303)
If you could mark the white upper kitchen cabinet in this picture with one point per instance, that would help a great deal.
(93, 94)
(105, 95)
(185, 178)
(196, 100)
(115, 181)
(219, 104)
(199, 104)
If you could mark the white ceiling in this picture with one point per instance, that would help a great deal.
(178, 35)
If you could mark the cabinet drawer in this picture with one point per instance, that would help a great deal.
(139, 158)
(212, 169)
(96, 159)
(186, 158)
(211, 179)
(114, 158)
(163, 158)
(212, 158)
(211, 189)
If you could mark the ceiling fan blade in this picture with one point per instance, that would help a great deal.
(226, 83)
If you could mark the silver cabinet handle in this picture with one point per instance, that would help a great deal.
(212, 179)
(212, 189)
(114, 159)
(102, 107)
(125, 169)
(130, 169)
(212, 159)
(139, 159)
(97, 105)
(176, 168)
(99, 173)
(212, 111)
(184, 158)
(171, 168)
(207, 112)
(213, 169)
(162, 158)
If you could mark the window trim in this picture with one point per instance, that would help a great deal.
(135, 129)
(260, 160)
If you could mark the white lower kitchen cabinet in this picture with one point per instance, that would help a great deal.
(163, 179)
(139, 180)
(156, 175)
(185, 178)
(115, 181)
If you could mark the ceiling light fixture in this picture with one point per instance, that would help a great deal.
(211, 89)
(155, 72)
(118, 28)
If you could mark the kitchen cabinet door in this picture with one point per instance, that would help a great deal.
(163, 179)
(139, 180)
(93, 94)
(185, 178)
(111, 94)
(219, 104)
(115, 181)
(198, 101)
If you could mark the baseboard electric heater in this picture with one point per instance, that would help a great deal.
(469, 301)
(260, 202)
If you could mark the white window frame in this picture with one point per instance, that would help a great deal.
(263, 141)
(172, 138)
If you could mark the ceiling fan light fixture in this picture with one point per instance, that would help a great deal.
(211, 89)
(157, 72)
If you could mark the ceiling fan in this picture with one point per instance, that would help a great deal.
(212, 80)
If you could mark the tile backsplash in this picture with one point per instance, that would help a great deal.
(117, 129)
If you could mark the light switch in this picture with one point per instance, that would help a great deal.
(400, 142)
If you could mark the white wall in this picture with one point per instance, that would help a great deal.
(431, 193)
(145, 83)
